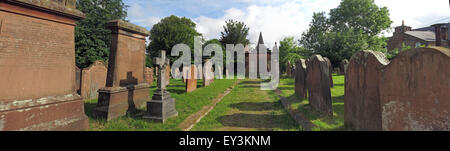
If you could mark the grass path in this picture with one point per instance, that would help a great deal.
(247, 108)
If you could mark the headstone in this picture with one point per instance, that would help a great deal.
(289, 69)
(318, 83)
(208, 73)
(300, 79)
(362, 109)
(191, 82)
(186, 71)
(37, 67)
(330, 70)
(414, 91)
(125, 88)
(343, 66)
(92, 79)
(148, 75)
(167, 74)
(162, 106)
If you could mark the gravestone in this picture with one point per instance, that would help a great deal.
(362, 109)
(318, 83)
(125, 88)
(208, 73)
(92, 79)
(148, 75)
(300, 79)
(162, 106)
(289, 69)
(191, 81)
(343, 66)
(167, 73)
(37, 67)
(414, 91)
(330, 70)
(186, 71)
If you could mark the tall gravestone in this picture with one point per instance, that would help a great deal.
(125, 88)
(343, 66)
(37, 66)
(330, 70)
(92, 79)
(208, 73)
(414, 91)
(362, 109)
(148, 75)
(300, 79)
(191, 81)
(318, 83)
(162, 106)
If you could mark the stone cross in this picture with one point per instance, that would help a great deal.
(162, 62)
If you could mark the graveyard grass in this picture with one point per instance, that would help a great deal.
(186, 104)
(247, 108)
(320, 122)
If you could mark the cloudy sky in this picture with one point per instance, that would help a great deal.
(276, 19)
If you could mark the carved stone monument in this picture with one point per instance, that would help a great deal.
(126, 88)
(162, 106)
(37, 66)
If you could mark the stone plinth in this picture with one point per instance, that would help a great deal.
(37, 67)
(125, 88)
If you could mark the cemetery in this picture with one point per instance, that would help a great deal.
(49, 84)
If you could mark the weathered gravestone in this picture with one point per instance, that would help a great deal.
(162, 106)
(186, 71)
(92, 79)
(414, 90)
(409, 93)
(37, 66)
(289, 69)
(330, 70)
(362, 109)
(343, 66)
(125, 88)
(148, 75)
(208, 73)
(300, 79)
(318, 83)
(191, 81)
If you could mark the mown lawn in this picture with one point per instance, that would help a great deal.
(248, 108)
(320, 122)
(186, 104)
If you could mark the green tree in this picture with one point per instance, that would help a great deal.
(353, 26)
(92, 39)
(234, 33)
(289, 52)
(170, 31)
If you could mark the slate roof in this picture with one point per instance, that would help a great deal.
(424, 35)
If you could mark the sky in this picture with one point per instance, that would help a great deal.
(276, 19)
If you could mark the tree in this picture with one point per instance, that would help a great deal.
(170, 31)
(234, 33)
(92, 39)
(289, 52)
(353, 26)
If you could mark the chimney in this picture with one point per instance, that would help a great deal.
(438, 33)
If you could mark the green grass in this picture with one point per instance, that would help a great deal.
(186, 104)
(321, 121)
(248, 108)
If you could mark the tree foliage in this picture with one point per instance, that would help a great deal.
(92, 39)
(289, 51)
(234, 33)
(170, 31)
(353, 26)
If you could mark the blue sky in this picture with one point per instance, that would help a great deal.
(276, 19)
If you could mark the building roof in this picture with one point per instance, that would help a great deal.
(424, 35)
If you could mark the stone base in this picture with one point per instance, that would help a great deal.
(161, 110)
(59, 113)
(114, 102)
